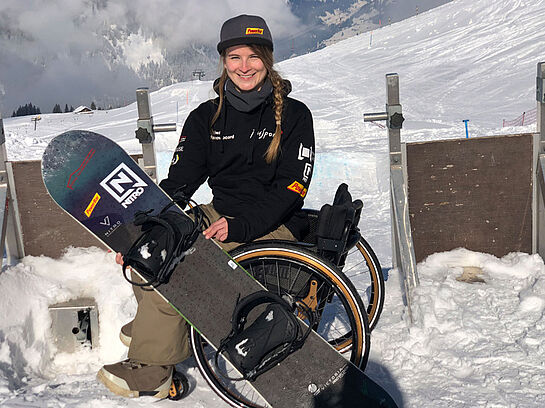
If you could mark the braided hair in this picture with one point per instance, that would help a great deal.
(266, 55)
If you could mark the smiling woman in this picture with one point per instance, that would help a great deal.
(255, 146)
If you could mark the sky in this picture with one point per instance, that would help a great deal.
(56, 47)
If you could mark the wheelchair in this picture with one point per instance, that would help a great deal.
(332, 270)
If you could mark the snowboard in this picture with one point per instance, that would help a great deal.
(102, 187)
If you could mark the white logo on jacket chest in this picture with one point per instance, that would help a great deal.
(228, 137)
(262, 134)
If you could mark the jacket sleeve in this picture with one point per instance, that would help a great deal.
(188, 168)
(286, 194)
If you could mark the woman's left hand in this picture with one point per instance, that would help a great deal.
(218, 230)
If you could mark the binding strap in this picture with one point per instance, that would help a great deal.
(166, 239)
(272, 336)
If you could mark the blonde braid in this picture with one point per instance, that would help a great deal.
(278, 93)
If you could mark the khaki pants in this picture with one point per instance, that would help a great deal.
(159, 334)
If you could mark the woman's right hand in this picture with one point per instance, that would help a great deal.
(119, 259)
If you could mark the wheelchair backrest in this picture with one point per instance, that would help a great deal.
(334, 228)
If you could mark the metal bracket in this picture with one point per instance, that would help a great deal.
(375, 117)
(143, 133)
(74, 323)
(395, 117)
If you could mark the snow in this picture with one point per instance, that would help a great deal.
(471, 344)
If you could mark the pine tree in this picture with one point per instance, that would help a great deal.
(28, 109)
(93, 106)
(66, 108)
(57, 108)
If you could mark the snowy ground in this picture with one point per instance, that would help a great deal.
(470, 345)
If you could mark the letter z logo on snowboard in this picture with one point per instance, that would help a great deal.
(124, 185)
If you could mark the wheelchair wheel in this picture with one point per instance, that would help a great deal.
(364, 271)
(361, 266)
(285, 268)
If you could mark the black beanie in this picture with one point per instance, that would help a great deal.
(244, 29)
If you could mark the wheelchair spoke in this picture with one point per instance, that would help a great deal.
(290, 289)
(279, 287)
(240, 391)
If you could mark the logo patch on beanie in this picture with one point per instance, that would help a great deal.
(250, 30)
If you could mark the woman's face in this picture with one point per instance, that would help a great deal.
(244, 67)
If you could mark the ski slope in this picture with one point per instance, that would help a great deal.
(472, 345)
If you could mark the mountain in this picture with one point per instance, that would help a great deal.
(101, 51)
(329, 21)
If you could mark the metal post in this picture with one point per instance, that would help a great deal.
(394, 119)
(145, 134)
(540, 96)
(467, 130)
(3, 187)
(146, 130)
(10, 232)
(402, 244)
(540, 173)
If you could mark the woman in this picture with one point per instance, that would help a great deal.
(255, 146)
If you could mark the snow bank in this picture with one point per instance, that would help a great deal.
(471, 344)
(29, 288)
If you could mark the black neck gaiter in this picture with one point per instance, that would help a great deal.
(247, 101)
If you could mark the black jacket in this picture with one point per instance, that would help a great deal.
(258, 196)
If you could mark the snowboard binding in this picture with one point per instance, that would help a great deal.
(166, 239)
(274, 335)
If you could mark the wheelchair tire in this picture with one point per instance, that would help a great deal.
(285, 267)
(363, 269)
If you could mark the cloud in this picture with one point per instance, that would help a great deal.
(37, 28)
(57, 41)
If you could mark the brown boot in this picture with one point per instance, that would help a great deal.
(132, 379)
(125, 334)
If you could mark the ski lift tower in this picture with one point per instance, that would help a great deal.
(199, 73)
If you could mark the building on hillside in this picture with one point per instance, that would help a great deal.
(83, 109)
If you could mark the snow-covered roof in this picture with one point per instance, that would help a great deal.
(83, 109)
